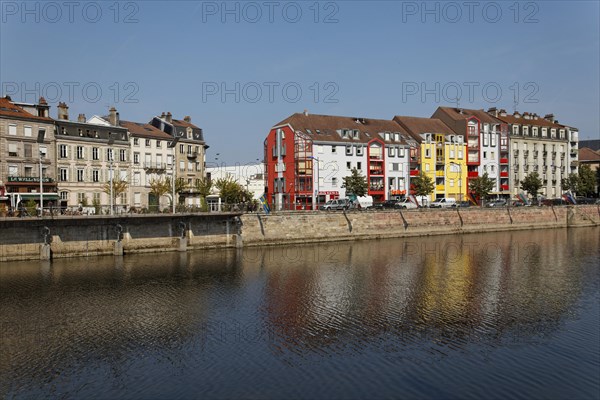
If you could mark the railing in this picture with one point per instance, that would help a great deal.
(155, 165)
(414, 172)
(504, 161)
(472, 174)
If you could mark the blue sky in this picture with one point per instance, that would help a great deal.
(237, 68)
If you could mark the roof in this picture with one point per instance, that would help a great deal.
(10, 110)
(590, 144)
(481, 115)
(180, 122)
(511, 119)
(588, 155)
(137, 129)
(325, 128)
(418, 125)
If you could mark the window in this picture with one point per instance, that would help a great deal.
(95, 153)
(12, 130)
(401, 152)
(181, 149)
(109, 154)
(79, 152)
(147, 142)
(460, 154)
(334, 181)
(190, 166)
(136, 141)
(123, 198)
(12, 170)
(137, 198)
(391, 152)
(95, 175)
(28, 171)
(394, 167)
(169, 160)
(27, 150)
(486, 139)
(64, 195)
(136, 158)
(333, 149)
(158, 144)
(96, 198)
(359, 165)
(79, 175)
(182, 165)
(123, 155)
(428, 153)
(356, 134)
(63, 174)
(12, 150)
(360, 150)
(27, 131)
(348, 165)
(123, 175)
(63, 151)
(137, 178)
(349, 151)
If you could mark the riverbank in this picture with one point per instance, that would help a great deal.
(31, 239)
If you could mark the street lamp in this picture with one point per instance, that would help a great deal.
(459, 179)
(111, 140)
(315, 191)
(40, 140)
(172, 146)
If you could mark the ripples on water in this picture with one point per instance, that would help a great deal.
(496, 315)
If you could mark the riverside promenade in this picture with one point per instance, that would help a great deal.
(47, 238)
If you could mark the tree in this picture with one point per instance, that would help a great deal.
(571, 183)
(204, 187)
(118, 188)
(482, 186)
(422, 184)
(230, 191)
(356, 183)
(532, 184)
(587, 180)
(180, 186)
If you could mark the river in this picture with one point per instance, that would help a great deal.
(498, 315)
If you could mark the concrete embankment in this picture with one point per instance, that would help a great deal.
(31, 239)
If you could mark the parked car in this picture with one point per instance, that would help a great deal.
(519, 203)
(443, 203)
(462, 204)
(385, 204)
(405, 204)
(585, 200)
(335, 205)
(496, 203)
(553, 202)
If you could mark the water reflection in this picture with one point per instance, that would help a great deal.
(70, 326)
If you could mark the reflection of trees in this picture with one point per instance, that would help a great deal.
(105, 311)
(443, 290)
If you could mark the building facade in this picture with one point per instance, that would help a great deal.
(27, 152)
(189, 154)
(88, 154)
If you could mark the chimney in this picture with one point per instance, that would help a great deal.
(43, 108)
(81, 118)
(306, 113)
(169, 117)
(162, 116)
(459, 110)
(516, 114)
(63, 111)
(7, 97)
(187, 119)
(549, 117)
(113, 116)
(526, 115)
(502, 112)
(493, 111)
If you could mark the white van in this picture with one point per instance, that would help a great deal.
(443, 203)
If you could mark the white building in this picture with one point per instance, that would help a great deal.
(249, 176)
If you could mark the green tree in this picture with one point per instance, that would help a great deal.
(118, 188)
(204, 187)
(587, 180)
(180, 186)
(571, 183)
(482, 186)
(532, 184)
(230, 191)
(159, 187)
(422, 184)
(355, 183)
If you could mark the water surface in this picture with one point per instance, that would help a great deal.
(476, 316)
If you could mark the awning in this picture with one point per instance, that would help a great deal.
(35, 196)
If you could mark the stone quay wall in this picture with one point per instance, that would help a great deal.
(32, 239)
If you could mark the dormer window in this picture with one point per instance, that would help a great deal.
(387, 136)
(356, 134)
(309, 132)
(78, 130)
(515, 129)
(318, 131)
(525, 131)
(397, 137)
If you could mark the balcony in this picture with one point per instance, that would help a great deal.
(155, 165)
(440, 188)
(472, 174)
(414, 172)
(376, 172)
(439, 173)
(504, 174)
(193, 155)
(504, 187)
(439, 160)
(504, 161)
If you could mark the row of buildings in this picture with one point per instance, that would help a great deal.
(307, 156)
(75, 159)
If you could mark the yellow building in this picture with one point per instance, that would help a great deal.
(443, 156)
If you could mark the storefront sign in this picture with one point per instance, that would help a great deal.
(28, 179)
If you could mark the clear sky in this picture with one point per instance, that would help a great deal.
(238, 68)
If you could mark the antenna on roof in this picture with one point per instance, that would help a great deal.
(515, 102)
